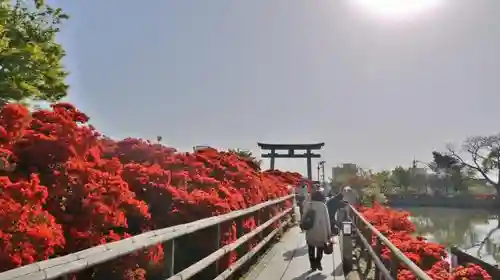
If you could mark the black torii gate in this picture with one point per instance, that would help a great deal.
(291, 148)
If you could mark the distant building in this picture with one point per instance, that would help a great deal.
(419, 171)
(345, 168)
(350, 166)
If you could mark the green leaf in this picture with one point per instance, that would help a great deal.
(30, 58)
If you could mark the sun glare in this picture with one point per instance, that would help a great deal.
(397, 9)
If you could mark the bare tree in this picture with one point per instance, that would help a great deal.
(484, 152)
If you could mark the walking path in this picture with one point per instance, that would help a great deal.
(288, 260)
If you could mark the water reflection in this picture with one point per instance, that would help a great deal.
(476, 231)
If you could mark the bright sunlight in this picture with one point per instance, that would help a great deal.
(397, 9)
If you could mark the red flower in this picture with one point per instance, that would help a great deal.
(65, 188)
(429, 256)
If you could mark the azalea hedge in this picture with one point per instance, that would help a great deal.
(398, 228)
(64, 188)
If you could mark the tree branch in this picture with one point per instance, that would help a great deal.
(474, 167)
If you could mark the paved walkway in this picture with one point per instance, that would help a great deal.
(288, 260)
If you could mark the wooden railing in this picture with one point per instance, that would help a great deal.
(62, 267)
(364, 233)
(461, 258)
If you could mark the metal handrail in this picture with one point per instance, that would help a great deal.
(79, 261)
(417, 271)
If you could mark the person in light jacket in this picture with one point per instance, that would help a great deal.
(320, 233)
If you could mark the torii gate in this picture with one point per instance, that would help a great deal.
(291, 148)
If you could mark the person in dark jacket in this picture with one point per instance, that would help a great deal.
(333, 205)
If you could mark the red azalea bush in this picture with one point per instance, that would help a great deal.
(65, 188)
(398, 228)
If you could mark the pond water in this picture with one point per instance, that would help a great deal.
(475, 231)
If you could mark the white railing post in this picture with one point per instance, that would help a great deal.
(169, 249)
(217, 247)
(281, 229)
(346, 245)
(296, 210)
(258, 216)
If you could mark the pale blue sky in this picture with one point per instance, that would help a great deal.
(230, 73)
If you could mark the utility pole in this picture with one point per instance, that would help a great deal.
(323, 173)
(319, 168)
(321, 165)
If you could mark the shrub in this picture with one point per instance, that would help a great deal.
(65, 188)
(398, 228)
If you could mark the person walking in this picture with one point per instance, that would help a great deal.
(350, 196)
(318, 233)
(333, 205)
(331, 193)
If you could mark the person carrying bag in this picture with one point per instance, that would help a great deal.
(316, 223)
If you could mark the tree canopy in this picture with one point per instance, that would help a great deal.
(401, 178)
(444, 161)
(30, 58)
(244, 154)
